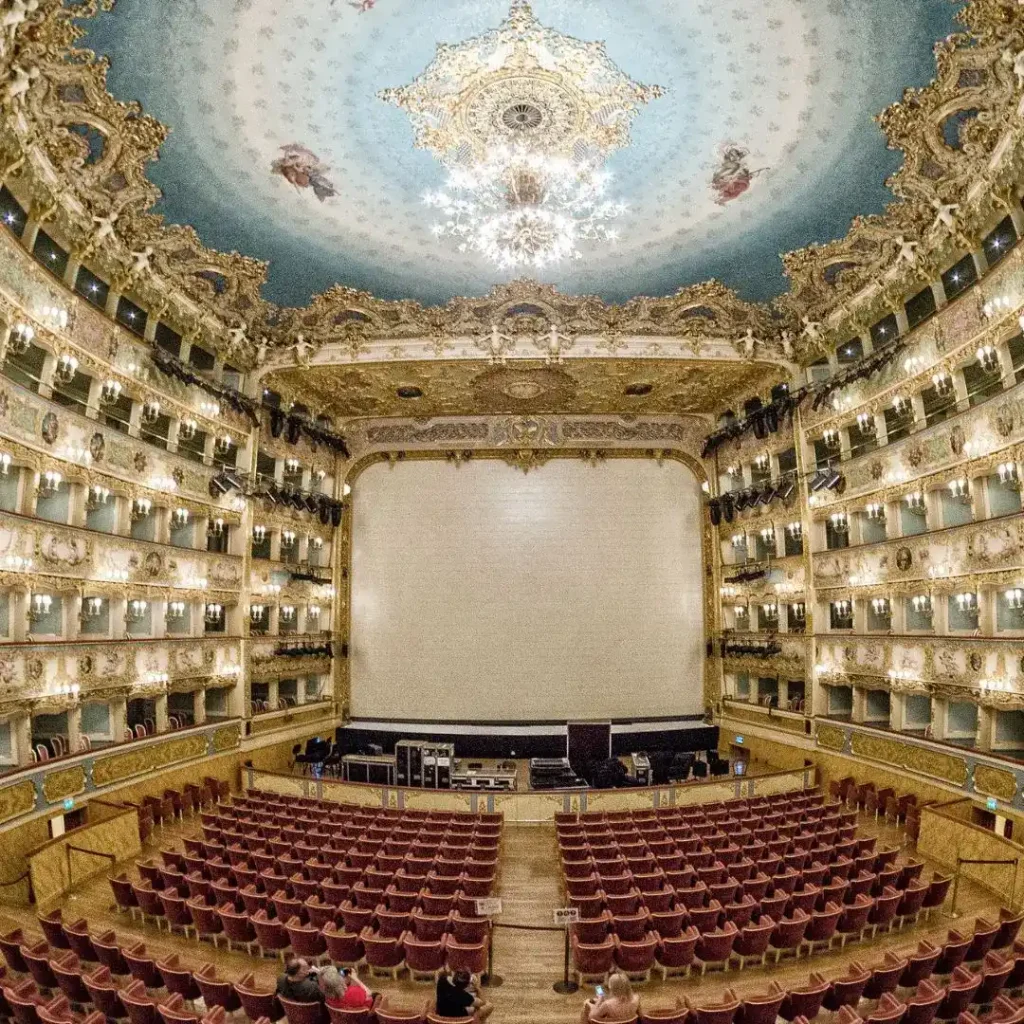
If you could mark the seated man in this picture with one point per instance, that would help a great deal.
(298, 983)
(457, 997)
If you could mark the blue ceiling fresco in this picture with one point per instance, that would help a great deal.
(765, 141)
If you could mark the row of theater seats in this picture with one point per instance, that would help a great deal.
(730, 883)
(395, 891)
(914, 987)
(896, 808)
(112, 983)
(175, 804)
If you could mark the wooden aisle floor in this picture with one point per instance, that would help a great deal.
(529, 962)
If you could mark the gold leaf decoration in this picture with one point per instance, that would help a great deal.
(61, 784)
(993, 782)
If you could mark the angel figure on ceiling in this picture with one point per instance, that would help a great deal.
(733, 176)
(304, 169)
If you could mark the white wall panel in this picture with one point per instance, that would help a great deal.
(480, 593)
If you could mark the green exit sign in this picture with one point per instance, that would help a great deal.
(992, 803)
(69, 803)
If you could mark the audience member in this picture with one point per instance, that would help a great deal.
(457, 997)
(298, 982)
(618, 1003)
(344, 990)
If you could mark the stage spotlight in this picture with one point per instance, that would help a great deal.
(218, 486)
(336, 514)
(780, 393)
(325, 513)
(771, 419)
(726, 420)
(715, 511)
(833, 479)
(728, 507)
(767, 496)
(786, 489)
(752, 406)
(277, 420)
(760, 425)
(294, 431)
(742, 500)
(818, 480)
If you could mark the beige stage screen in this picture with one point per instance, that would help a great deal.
(480, 593)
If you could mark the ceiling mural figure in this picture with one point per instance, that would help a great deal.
(760, 137)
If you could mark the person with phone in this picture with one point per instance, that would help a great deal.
(618, 1003)
(456, 997)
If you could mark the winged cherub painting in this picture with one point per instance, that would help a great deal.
(733, 175)
(304, 169)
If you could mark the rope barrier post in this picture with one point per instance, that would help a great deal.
(565, 918)
(489, 907)
(956, 889)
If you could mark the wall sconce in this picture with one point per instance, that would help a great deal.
(915, 503)
(967, 602)
(39, 607)
(210, 409)
(215, 527)
(110, 392)
(313, 611)
(20, 339)
(771, 611)
(287, 538)
(875, 511)
(56, 315)
(318, 543)
(92, 607)
(259, 534)
(1014, 598)
(179, 518)
(866, 423)
(768, 535)
(831, 439)
(136, 611)
(151, 411)
(997, 303)
(943, 383)
(320, 475)
(141, 507)
(960, 490)
(5, 463)
(880, 605)
(839, 522)
(96, 497)
(65, 370)
(922, 603)
(901, 406)
(287, 612)
(795, 530)
(256, 611)
(1008, 474)
(214, 613)
(187, 430)
(224, 444)
(740, 611)
(762, 461)
(988, 359)
(798, 612)
(176, 610)
(291, 465)
(49, 483)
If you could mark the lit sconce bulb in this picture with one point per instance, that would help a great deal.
(839, 522)
(1007, 473)
(66, 368)
(874, 511)
(865, 423)
(320, 474)
(831, 438)
(55, 315)
(20, 339)
(49, 482)
(176, 610)
(214, 612)
(880, 605)
(291, 465)
(795, 529)
(901, 405)
(922, 603)
(187, 429)
(740, 610)
(41, 604)
(988, 358)
(771, 610)
(287, 538)
(738, 540)
(1014, 598)
(915, 501)
(313, 611)
(256, 611)
(180, 517)
(966, 602)
(93, 607)
(287, 612)
(141, 507)
(959, 488)
(346, 490)
(151, 411)
(5, 463)
(259, 534)
(216, 527)
(318, 543)
(761, 462)
(224, 443)
(136, 610)
(943, 383)
(210, 409)
(110, 392)
(767, 535)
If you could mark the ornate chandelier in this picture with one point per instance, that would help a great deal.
(520, 208)
(523, 118)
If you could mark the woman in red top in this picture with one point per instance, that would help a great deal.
(344, 990)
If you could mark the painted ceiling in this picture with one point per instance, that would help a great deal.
(764, 141)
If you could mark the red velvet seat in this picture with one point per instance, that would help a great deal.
(592, 960)
(752, 942)
(216, 991)
(715, 947)
(635, 959)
